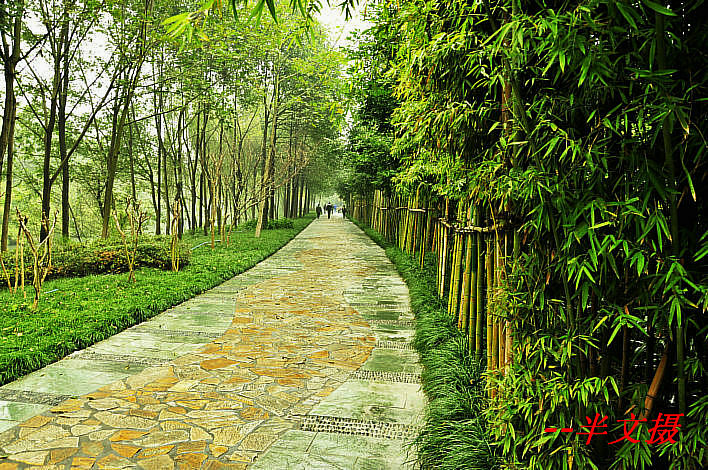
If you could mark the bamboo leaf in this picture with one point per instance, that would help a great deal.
(271, 8)
(601, 224)
(628, 14)
(658, 8)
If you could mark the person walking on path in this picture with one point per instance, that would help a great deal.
(318, 209)
(328, 208)
(344, 211)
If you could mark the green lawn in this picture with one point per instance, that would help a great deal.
(82, 311)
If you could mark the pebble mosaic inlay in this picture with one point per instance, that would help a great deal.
(94, 356)
(399, 323)
(25, 396)
(176, 333)
(394, 345)
(375, 375)
(333, 424)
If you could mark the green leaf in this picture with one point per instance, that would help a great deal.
(257, 11)
(658, 8)
(176, 18)
(271, 8)
(601, 224)
(627, 14)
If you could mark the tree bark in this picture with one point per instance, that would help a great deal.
(8, 123)
(49, 126)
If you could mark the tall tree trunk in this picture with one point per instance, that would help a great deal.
(131, 163)
(286, 200)
(193, 171)
(302, 197)
(7, 136)
(50, 124)
(177, 168)
(166, 186)
(157, 100)
(271, 205)
(61, 126)
(153, 194)
(293, 199)
(265, 156)
(111, 163)
(201, 199)
(267, 191)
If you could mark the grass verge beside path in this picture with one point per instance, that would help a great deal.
(453, 435)
(83, 311)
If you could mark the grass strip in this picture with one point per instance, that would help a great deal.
(454, 434)
(75, 313)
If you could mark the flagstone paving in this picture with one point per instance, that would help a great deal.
(303, 362)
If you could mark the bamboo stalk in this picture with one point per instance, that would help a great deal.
(507, 323)
(499, 340)
(444, 257)
(427, 242)
(515, 259)
(490, 300)
(480, 304)
(466, 308)
(436, 249)
(673, 211)
(410, 226)
(416, 223)
(453, 291)
(655, 384)
(459, 253)
(472, 288)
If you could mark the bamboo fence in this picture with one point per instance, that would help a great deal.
(471, 260)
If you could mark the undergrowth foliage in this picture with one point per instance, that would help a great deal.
(101, 257)
(582, 126)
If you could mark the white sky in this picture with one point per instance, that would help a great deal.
(333, 18)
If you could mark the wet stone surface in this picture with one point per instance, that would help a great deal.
(302, 362)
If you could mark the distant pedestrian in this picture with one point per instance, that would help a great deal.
(344, 211)
(318, 209)
(329, 208)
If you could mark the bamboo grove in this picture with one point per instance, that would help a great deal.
(551, 167)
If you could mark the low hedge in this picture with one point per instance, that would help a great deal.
(271, 225)
(101, 257)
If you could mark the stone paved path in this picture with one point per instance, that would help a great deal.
(303, 362)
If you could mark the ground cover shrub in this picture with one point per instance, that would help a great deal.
(77, 312)
(454, 434)
(100, 257)
(271, 225)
